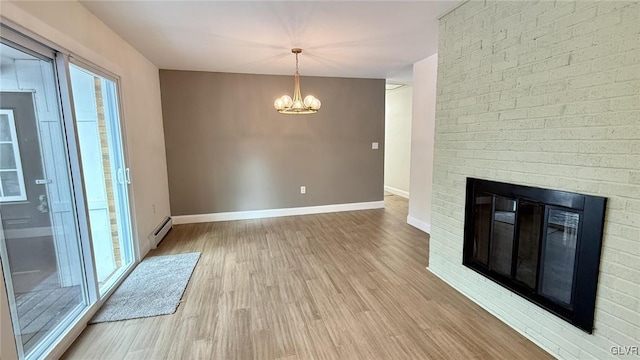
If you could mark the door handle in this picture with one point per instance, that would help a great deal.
(127, 175)
(43, 181)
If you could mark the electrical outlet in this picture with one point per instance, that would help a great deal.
(303, 189)
(374, 145)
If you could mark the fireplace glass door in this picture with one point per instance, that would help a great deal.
(509, 234)
(531, 241)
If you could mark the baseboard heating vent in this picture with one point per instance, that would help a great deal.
(159, 232)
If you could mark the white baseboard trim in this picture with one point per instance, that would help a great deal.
(394, 191)
(260, 214)
(419, 224)
(490, 311)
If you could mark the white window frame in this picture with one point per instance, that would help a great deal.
(18, 160)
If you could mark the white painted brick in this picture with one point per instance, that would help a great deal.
(588, 107)
(626, 301)
(550, 87)
(617, 60)
(570, 96)
(628, 73)
(512, 24)
(547, 41)
(531, 101)
(590, 80)
(615, 90)
(502, 105)
(605, 7)
(561, 9)
(466, 119)
(570, 71)
(572, 43)
(607, 147)
(532, 11)
(624, 132)
(503, 85)
(504, 65)
(533, 79)
(594, 52)
(538, 32)
(505, 44)
(630, 13)
(575, 18)
(518, 92)
(599, 23)
(559, 109)
(546, 111)
(626, 103)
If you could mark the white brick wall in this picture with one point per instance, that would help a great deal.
(544, 94)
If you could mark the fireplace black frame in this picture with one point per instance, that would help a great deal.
(588, 247)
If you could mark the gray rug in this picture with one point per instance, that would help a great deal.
(154, 288)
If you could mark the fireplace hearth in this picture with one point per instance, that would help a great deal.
(542, 244)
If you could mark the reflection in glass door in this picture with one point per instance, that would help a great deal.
(39, 237)
(105, 174)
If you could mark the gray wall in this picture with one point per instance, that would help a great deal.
(229, 150)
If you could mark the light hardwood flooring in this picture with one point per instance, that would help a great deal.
(349, 285)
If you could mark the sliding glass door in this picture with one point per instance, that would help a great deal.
(40, 247)
(65, 222)
(106, 176)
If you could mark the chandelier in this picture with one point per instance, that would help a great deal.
(286, 105)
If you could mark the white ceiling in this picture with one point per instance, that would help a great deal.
(369, 39)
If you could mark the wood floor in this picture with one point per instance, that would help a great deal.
(44, 307)
(349, 285)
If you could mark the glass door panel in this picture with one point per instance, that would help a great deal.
(559, 255)
(482, 213)
(105, 174)
(39, 237)
(530, 219)
(503, 235)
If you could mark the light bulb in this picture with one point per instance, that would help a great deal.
(308, 100)
(316, 104)
(287, 100)
(278, 104)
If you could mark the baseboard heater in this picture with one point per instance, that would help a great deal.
(160, 231)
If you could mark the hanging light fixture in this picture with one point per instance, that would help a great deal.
(286, 105)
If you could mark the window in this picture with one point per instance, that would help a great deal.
(11, 179)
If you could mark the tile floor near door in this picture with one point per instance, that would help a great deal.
(349, 285)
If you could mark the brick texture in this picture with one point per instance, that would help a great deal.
(544, 94)
(108, 176)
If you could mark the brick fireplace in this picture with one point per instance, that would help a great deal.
(543, 94)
